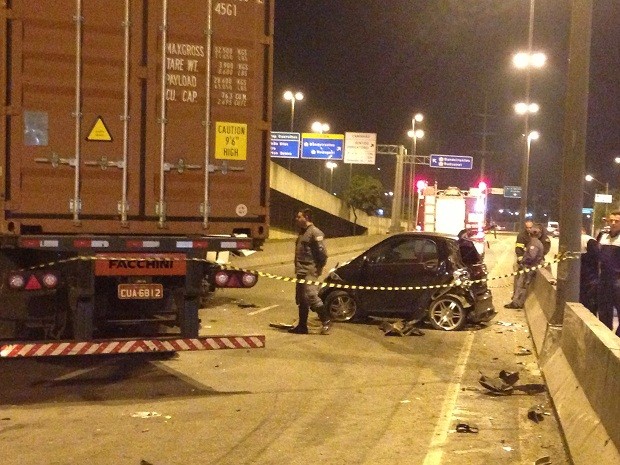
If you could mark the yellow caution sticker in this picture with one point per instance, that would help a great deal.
(99, 132)
(231, 141)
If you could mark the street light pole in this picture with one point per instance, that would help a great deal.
(292, 97)
(526, 121)
(414, 134)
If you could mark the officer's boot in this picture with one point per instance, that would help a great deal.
(302, 324)
(325, 318)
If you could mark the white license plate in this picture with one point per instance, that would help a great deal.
(140, 291)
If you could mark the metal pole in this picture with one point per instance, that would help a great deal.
(574, 153)
(398, 191)
(292, 112)
(528, 83)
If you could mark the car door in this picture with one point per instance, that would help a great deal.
(402, 261)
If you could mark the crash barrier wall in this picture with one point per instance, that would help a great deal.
(580, 361)
(282, 251)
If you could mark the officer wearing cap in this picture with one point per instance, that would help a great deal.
(310, 258)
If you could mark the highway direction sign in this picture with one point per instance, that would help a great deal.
(284, 144)
(360, 148)
(322, 146)
(457, 162)
(513, 192)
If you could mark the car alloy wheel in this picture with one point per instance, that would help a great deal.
(447, 313)
(341, 306)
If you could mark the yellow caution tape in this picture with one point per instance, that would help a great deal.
(465, 283)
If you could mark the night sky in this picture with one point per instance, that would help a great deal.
(369, 65)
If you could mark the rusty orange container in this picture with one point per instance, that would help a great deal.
(147, 117)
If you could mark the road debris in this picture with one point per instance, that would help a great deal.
(243, 304)
(400, 328)
(465, 428)
(523, 351)
(281, 325)
(502, 385)
(536, 413)
(145, 414)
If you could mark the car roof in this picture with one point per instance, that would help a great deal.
(429, 234)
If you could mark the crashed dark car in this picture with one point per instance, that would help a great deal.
(413, 260)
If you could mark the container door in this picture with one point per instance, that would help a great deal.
(113, 120)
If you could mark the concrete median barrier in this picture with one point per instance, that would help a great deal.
(580, 361)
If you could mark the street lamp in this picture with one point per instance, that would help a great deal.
(527, 61)
(330, 165)
(523, 108)
(524, 60)
(292, 97)
(415, 134)
(319, 127)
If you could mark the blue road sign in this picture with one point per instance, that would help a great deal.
(587, 211)
(284, 144)
(456, 162)
(322, 146)
(514, 192)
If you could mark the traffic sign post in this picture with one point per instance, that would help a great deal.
(322, 146)
(360, 148)
(285, 144)
(456, 162)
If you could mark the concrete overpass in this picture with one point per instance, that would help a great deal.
(290, 192)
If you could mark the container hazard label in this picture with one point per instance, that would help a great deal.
(231, 141)
(99, 132)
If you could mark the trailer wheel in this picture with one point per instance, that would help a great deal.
(82, 320)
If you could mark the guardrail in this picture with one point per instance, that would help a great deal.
(580, 361)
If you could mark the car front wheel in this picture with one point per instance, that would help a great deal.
(447, 313)
(341, 306)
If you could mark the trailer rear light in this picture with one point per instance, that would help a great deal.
(33, 284)
(17, 281)
(221, 278)
(50, 280)
(249, 279)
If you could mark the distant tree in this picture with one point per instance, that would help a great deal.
(364, 193)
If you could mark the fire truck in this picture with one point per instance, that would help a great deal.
(453, 210)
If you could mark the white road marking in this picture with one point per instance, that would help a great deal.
(440, 434)
(264, 309)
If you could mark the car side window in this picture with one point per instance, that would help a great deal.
(397, 251)
(427, 253)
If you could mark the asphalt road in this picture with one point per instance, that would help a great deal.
(355, 396)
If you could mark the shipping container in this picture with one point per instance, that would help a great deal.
(136, 129)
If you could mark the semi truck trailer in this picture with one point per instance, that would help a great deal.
(134, 147)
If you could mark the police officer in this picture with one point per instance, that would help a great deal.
(533, 255)
(523, 238)
(609, 279)
(310, 258)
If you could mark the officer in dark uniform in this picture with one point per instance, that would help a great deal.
(533, 256)
(310, 258)
(523, 238)
(609, 279)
